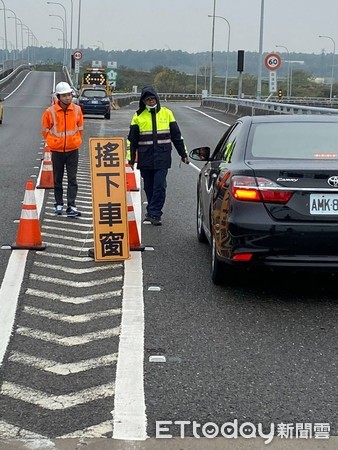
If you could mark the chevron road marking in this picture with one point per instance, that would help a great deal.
(68, 341)
(51, 206)
(76, 271)
(66, 222)
(67, 238)
(95, 431)
(56, 402)
(75, 300)
(69, 247)
(77, 284)
(9, 431)
(63, 369)
(75, 222)
(80, 318)
(62, 256)
(67, 230)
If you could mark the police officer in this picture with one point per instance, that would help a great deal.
(152, 130)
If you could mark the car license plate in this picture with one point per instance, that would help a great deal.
(324, 204)
(95, 102)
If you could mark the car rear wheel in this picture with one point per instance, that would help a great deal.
(107, 115)
(201, 236)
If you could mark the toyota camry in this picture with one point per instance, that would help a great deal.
(267, 195)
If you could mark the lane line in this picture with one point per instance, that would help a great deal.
(130, 421)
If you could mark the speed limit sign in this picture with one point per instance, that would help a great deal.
(273, 61)
(77, 55)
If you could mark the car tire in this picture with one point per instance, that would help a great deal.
(217, 267)
(107, 115)
(201, 236)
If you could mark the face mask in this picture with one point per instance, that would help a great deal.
(149, 108)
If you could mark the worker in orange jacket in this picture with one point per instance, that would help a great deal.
(62, 128)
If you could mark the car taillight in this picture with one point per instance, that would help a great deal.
(242, 257)
(258, 189)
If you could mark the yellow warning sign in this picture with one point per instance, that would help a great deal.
(110, 210)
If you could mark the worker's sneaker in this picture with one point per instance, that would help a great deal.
(156, 221)
(72, 212)
(147, 219)
(58, 209)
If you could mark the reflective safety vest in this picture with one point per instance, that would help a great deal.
(61, 129)
(151, 134)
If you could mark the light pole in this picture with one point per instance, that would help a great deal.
(63, 35)
(5, 28)
(227, 58)
(333, 55)
(78, 41)
(16, 30)
(288, 78)
(64, 38)
(212, 49)
(260, 51)
(64, 25)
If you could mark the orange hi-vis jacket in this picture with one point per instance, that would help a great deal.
(62, 129)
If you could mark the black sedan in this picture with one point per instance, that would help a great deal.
(95, 101)
(267, 196)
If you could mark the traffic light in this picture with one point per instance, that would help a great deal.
(280, 93)
(72, 61)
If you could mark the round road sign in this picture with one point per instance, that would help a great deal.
(77, 55)
(273, 61)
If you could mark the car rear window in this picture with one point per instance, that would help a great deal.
(299, 140)
(94, 93)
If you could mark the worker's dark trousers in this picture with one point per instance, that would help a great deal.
(60, 160)
(155, 185)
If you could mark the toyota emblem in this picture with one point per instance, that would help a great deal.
(333, 181)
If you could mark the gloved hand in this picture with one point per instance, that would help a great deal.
(185, 159)
(131, 164)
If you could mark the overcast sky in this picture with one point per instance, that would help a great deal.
(179, 24)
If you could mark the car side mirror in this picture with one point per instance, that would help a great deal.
(200, 154)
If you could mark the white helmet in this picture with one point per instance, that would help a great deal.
(63, 88)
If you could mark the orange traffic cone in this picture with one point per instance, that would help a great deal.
(46, 178)
(29, 234)
(134, 239)
(131, 179)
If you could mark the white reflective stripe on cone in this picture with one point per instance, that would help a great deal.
(29, 214)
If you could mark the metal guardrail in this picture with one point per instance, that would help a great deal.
(228, 105)
(19, 68)
(241, 107)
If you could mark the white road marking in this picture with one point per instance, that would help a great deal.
(79, 318)
(66, 222)
(207, 115)
(67, 238)
(9, 293)
(76, 271)
(68, 247)
(75, 300)
(130, 420)
(11, 285)
(56, 402)
(63, 369)
(67, 230)
(95, 431)
(68, 341)
(69, 257)
(9, 431)
(77, 284)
